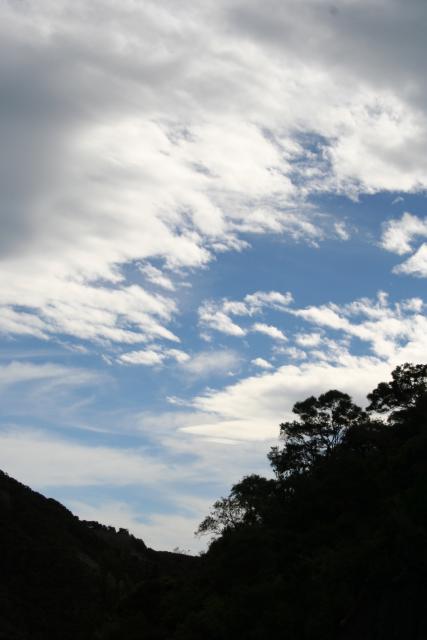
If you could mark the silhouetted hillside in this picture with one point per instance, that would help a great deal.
(61, 577)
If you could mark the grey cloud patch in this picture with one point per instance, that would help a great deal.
(360, 35)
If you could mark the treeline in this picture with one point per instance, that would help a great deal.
(333, 547)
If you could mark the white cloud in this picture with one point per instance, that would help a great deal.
(325, 316)
(209, 124)
(376, 322)
(21, 323)
(212, 317)
(342, 231)
(153, 356)
(262, 363)
(147, 357)
(308, 339)
(267, 299)
(416, 265)
(291, 352)
(211, 362)
(251, 429)
(398, 237)
(235, 308)
(126, 314)
(157, 277)
(384, 327)
(269, 330)
(216, 314)
(413, 304)
(398, 234)
(178, 355)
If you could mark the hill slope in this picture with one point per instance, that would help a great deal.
(61, 577)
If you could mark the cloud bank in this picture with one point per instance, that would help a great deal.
(141, 132)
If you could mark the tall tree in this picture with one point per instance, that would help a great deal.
(321, 425)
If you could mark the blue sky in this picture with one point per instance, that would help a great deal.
(208, 213)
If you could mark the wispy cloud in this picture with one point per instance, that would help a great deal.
(18, 373)
(262, 363)
(45, 460)
(157, 277)
(217, 315)
(212, 362)
(213, 317)
(269, 330)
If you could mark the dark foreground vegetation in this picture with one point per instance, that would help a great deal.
(62, 578)
(333, 547)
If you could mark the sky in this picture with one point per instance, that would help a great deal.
(209, 211)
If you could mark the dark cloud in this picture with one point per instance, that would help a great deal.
(380, 42)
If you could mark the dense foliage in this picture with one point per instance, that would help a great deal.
(334, 546)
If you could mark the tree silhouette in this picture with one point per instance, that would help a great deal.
(321, 425)
(402, 393)
(244, 506)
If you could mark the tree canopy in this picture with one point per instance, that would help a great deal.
(321, 426)
(406, 388)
